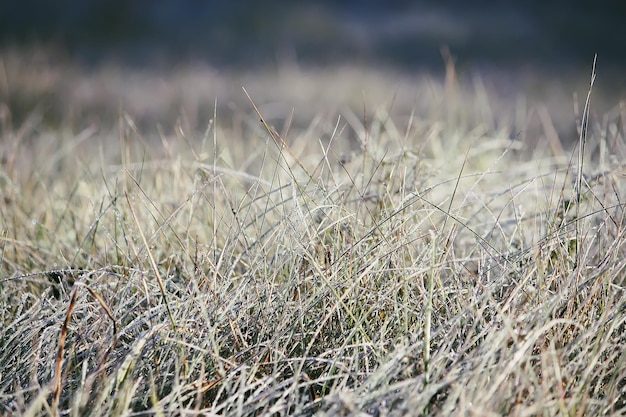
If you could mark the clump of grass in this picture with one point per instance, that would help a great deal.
(363, 269)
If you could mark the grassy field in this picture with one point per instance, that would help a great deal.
(360, 263)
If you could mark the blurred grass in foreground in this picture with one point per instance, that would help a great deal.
(354, 264)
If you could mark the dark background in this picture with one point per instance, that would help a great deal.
(69, 59)
(403, 34)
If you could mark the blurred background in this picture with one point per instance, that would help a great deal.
(162, 58)
(406, 34)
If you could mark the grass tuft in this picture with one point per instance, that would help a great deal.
(365, 268)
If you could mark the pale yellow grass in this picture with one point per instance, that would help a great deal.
(352, 266)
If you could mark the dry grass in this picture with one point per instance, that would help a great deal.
(355, 267)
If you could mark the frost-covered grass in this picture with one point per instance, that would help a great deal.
(357, 266)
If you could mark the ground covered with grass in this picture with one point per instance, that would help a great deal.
(354, 266)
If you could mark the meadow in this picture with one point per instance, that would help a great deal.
(396, 253)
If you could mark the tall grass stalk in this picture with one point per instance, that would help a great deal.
(582, 140)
